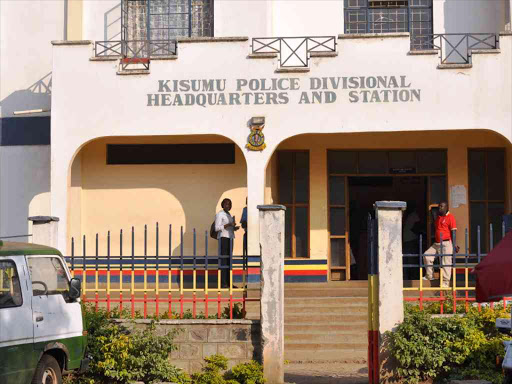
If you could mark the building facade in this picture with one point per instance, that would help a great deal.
(162, 108)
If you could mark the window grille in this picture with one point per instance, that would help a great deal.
(389, 16)
(160, 20)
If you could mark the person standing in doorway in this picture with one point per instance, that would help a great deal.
(225, 226)
(243, 222)
(411, 235)
(444, 225)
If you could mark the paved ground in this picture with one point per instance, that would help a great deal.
(326, 374)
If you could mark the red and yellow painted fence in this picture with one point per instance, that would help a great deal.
(168, 286)
(461, 287)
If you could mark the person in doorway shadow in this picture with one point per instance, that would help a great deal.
(225, 226)
(243, 223)
(411, 236)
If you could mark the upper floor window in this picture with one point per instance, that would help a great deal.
(166, 19)
(388, 16)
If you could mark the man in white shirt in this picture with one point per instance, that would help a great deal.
(225, 226)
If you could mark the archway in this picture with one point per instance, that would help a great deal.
(109, 191)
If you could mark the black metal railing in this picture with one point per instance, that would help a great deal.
(138, 278)
(135, 51)
(136, 48)
(455, 48)
(294, 52)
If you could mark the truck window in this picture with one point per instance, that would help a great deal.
(10, 290)
(48, 276)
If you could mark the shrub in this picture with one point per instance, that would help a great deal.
(118, 356)
(447, 348)
(247, 373)
(214, 372)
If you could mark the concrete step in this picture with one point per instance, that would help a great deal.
(326, 355)
(331, 310)
(315, 347)
(324, 318)
(339, 301)
(318, 292)
(328, 285)
(315, 328)
(334, 337)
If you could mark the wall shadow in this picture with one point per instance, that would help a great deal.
(112, 23)
(37, 96)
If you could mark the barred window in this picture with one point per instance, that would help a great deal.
(391, 16)
(166, 19)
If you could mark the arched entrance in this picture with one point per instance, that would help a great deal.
(179, 181)
(329, 183)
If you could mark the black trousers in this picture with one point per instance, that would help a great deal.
(225, 250)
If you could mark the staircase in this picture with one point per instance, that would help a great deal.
(326, 322)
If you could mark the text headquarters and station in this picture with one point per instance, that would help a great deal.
(278, 91)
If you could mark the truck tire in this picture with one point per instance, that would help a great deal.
(47, 371)
(508, 378)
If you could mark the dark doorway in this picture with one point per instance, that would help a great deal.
(364, 192)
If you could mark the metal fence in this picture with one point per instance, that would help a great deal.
(460, 290)
(135, 51)
(172, 286)
(294, 52)
(455, 48)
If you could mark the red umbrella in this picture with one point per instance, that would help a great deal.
(494, 272)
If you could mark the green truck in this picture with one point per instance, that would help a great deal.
(41, 327)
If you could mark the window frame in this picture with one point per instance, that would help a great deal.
(293, 205)
(486, 201)
(19, 283)
(64, 267)
(364, 7)
(358, 151)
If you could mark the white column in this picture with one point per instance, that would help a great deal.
(390, 275)
(45, 230)
(255, 197)
(391, 297)
(272, 291)
(60, 166)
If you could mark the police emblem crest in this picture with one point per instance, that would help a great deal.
(256, 140)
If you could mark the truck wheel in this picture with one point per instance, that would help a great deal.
(508, 378)
(47, 371)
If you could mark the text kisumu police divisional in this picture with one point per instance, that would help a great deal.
(322, 90)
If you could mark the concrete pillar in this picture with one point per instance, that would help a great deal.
(255, 197)
(389, 243)
(272, 291)
(45, 230)
(390, 275)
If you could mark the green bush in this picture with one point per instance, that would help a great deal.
(119, 356)
(458, 347)
(247, 373)
(214, 372)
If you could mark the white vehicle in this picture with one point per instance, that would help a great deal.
(505, 326)
(41, 327)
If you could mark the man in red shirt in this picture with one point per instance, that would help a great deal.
(445, 224)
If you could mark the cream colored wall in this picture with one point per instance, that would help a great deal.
(457, 144)
(115, 197)
(74, 26)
